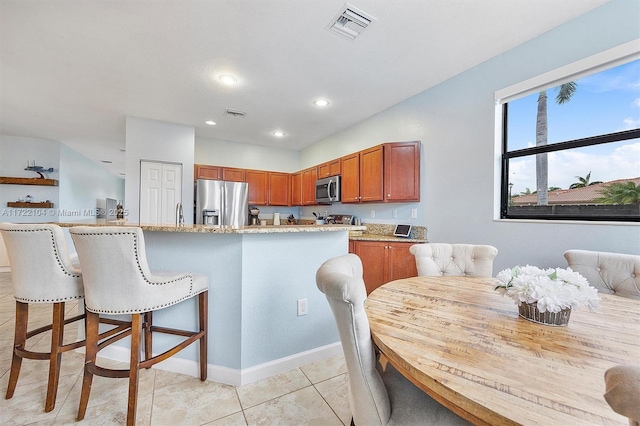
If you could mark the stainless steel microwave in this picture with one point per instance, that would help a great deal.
(328, 190)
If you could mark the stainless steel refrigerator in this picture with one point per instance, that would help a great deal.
(222, 203)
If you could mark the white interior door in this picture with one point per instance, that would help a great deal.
(160, 191)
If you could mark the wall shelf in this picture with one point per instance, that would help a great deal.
(22, 205)
(28, 181)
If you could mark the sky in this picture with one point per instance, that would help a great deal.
(603, 103)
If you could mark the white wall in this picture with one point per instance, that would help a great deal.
(158, 141)
(455, 122)
(83, 184)
(14, 153)
(223, 153)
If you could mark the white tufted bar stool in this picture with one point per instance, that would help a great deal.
(117, 281)
(454, 259)
(610, 273)
(42, 273)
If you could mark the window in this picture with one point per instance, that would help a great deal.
(571, 147)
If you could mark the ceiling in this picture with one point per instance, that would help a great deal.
(71, 71)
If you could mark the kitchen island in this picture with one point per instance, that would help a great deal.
(257, 274)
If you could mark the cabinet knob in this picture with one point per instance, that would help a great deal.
(388, 195)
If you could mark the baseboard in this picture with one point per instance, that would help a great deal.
(232, 376)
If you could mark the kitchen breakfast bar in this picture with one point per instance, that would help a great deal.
(256, 274)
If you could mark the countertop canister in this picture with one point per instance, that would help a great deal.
(276, 218)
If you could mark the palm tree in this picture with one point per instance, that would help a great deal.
(583, 181)
(565, 92)
(620, 193)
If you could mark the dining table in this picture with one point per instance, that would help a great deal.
(464, 344)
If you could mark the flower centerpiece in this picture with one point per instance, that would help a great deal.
(547, 296)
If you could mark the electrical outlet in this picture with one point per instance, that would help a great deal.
(394, 213)
(373, 214)
(302, 307)
(414, 213)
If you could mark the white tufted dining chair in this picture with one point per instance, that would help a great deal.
(41, 273)
(454, 259)
(610, 273)
(378, 393)
(117, 281)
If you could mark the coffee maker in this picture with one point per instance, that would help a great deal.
(253, 216)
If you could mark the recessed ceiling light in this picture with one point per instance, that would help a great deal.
(321, 102)
(228, 79)
(106, 161)
(210, 123)
(278, 134)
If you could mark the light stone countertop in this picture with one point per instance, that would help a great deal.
(269, 229)
(388, 238)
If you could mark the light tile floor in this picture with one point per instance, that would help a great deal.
(315, 394)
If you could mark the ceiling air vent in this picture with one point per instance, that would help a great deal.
(349, 22)
(234, 113)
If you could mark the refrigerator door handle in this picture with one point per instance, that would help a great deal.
(223, 208)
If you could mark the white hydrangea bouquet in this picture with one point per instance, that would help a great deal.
(547, 292)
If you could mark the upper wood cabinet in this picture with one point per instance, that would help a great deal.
(278, 189)
(233, 174)
(387, 173)
(267, 188)
(362, 176)
(371, 174)
(296, 189)
(258, 187)
(350, 178)
(402, 171)
(203, 171)
(309, 177)
(384, 173)
(330, 168)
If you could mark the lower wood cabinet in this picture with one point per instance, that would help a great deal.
(384, 261)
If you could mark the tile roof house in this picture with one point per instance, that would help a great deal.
(578, 196)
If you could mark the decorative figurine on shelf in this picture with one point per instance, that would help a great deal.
(31, 166)
(28, 199)
(119, 211)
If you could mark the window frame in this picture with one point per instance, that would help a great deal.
(608, 59)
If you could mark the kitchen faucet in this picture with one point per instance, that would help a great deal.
(179, 215)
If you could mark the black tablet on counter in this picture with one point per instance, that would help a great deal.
(402, 231)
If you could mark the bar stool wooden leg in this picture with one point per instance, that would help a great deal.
(57, 338)
(134, 368)
(19, 339)
(203, 302)
(91, 349)
(148, 336)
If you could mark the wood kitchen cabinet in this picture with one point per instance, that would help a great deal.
(330, 168)
(362, 176)
(402, 171)
(296, 189)
(203, 171)
(384, 173)
(350, 179)
(278, 189)
(233, 174)
(267, 188)
(258, 187)
(384, 261)
(371, 174)
(309, 177)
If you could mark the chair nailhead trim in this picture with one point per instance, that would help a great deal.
(135, 251)
(55, 248)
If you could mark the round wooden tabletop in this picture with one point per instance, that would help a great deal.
(465, 345)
